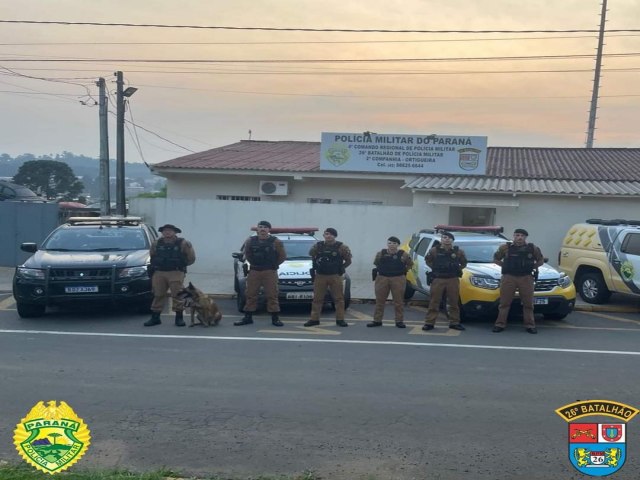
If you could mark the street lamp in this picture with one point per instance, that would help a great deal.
(121, 208)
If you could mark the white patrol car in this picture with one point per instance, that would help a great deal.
(295, 285)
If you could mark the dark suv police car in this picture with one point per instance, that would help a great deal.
(86, 259)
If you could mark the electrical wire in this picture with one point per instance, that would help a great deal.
(300, 29)
(315, 42)
(326, 60)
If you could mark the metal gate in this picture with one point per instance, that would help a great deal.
(24, 222)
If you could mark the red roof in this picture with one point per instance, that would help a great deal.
(596, 164)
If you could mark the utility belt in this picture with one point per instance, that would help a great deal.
(262, 268)
(391, 275)
(445, 275)
(170, 269)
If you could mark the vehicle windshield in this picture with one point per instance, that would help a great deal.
(481, 252)
(297, 250)
(96, 239)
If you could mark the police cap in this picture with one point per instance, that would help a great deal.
(522, 231)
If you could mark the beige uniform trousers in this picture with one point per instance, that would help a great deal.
(320, 285)
(163, 281)
(452, 287)
(384, 285)
(508, 286)
(268, 280)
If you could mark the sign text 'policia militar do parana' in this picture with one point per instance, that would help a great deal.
(374, 152)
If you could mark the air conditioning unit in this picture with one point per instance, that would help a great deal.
(268, 187)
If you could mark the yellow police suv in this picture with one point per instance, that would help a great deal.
(602, 257)
(554, 295)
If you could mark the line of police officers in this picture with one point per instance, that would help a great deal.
(170, 256)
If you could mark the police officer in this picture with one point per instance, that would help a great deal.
(391, 270)
(170, 256)
(330, 259)
(519, 261)
(446, 263)
(265, 253)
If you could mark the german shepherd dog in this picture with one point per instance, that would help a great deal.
(206, 309)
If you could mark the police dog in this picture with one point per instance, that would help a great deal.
(206, 309)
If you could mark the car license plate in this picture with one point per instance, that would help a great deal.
(92, 289)
(299, 296)
(541, 301)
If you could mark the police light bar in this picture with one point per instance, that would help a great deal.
(307, 230)
(495, 229)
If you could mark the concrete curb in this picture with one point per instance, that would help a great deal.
(583, 307)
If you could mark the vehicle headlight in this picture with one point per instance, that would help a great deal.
(489, 283)
(132, 272)
(564, 281)
(30, 273)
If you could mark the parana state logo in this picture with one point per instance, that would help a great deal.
(597, 449)
(51, 437)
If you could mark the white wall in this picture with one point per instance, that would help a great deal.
(218, 228)
(388, 191)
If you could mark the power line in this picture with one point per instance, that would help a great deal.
(299, 29)
(324, 60)
(343, 72)
(313, 42)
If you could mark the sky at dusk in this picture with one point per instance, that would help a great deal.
(204, 88)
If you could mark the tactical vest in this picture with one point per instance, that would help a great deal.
(446, 263)
(519, 261)
(169, 256)
(391, 265)
(328, 260)
(262, 253)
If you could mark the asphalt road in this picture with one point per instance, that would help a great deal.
(354, 403)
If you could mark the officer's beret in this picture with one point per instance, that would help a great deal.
(394, 240)
(448, 234)
(172, 227)
(332, 231)
(522, 231)
(264, 223)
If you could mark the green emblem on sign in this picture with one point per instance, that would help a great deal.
(337, 154)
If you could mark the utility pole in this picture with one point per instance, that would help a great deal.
(105, 199)
(121, 206)
(596, 80)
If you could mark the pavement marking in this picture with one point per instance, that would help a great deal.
(7, 303)
(613, 317)
(360, 315)
(304, 330)
(576, 327)
(324, 340)
(437, 331)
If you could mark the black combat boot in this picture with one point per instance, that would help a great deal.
(246, 320)
(154, 320)
(179, 319)
(275, 320)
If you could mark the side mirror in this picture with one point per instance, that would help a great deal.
(546, 259)
(29, 247)
(237, 255)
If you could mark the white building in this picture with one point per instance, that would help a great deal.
(216, 195)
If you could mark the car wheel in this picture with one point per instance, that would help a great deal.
(555, 316)
(347, 294)
(592, 288)
(409, 291)
(241, 300)
(29, 310)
